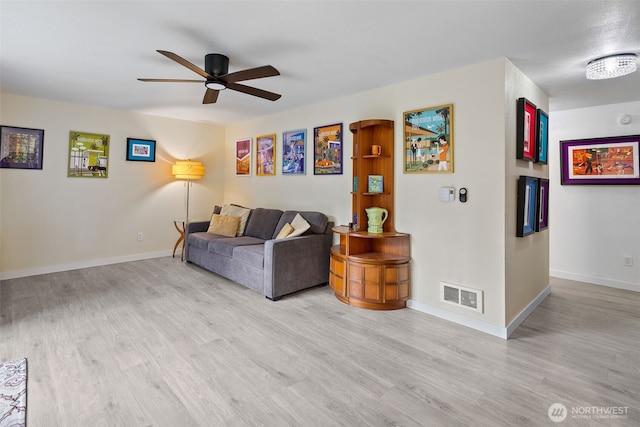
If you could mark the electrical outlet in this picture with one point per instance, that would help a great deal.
(139, 235)
(628, 261)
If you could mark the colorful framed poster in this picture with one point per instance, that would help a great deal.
(21, 148)
(327, 150)
(243, 157)
(542, 132)
(526, 206)
(88, 155)
(141, 150)
(293, 152)
(542, 205)
(428, 139)
(266, 155)
(526, 147)
(609, 160)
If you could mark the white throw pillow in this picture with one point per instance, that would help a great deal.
(300, 225)
(239, 211)
(286, 230)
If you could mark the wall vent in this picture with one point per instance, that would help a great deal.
(461, 296)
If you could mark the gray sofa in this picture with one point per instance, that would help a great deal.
(257, 260)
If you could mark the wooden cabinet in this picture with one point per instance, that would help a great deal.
(371, 270)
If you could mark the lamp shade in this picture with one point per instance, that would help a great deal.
(187, 169)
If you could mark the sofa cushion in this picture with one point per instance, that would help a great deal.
(286, 230)
(263, 223)
(300, 225)
(226, 246)
(201, 239)
(224, 225)
(239, 211)
(317, 220)
(251, 254)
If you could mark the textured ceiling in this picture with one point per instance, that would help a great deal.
(92, 52)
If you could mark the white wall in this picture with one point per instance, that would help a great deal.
(593, 227)
(454, 242)
(50, 222)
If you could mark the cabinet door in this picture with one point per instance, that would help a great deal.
(365, 282)
(336, 277)
(397, 282)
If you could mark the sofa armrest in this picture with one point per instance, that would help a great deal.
(296, 263)
(196, 227)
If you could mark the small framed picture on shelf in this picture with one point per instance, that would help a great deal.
(526, 147)
(375, 184)
(21, 148)
(141, 150)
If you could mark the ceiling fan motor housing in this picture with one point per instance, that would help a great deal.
(216, 64)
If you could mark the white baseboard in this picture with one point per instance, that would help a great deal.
(596, 280)
(486, 327)
(5, 275)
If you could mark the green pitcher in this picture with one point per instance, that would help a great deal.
(376, 217)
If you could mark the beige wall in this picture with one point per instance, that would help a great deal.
(464, 244)
(50, 222)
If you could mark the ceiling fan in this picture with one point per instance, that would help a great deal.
(216, 73)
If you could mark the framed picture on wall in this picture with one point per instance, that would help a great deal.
(428, 140)
(141, 150)
(526, 147)
(608, 160)
(293, 152)
(327, 150)
(266, 155)
(243, 157)
(21, 148)
(542, 132)
(88, 155)
(542, 205)
(526, 205)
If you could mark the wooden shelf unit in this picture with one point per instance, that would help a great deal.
(371, 270)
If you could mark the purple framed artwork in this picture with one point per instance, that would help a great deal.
(542, 205)
(21, 148)
(327, 150)
(607, 160)
(526, 147)
(293, 152)
(526, 205)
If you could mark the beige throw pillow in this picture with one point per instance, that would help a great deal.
(224, 225)
(286, 230)
(300, 225)
(239, 211)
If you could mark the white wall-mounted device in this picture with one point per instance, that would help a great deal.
(447, 194)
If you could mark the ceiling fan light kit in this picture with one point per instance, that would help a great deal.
(612, 66)
(217, 77)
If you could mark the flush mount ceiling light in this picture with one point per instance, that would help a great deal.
(611, 66)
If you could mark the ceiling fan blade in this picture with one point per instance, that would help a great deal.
(172, 80)
(210, 96)
(254, 91)
(185, 63)
(250, 74)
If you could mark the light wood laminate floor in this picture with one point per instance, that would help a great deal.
(165, 343)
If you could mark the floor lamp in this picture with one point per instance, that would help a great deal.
(189, 170)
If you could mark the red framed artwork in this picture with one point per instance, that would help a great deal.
(526, 146)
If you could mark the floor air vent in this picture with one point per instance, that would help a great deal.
(461, 296)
